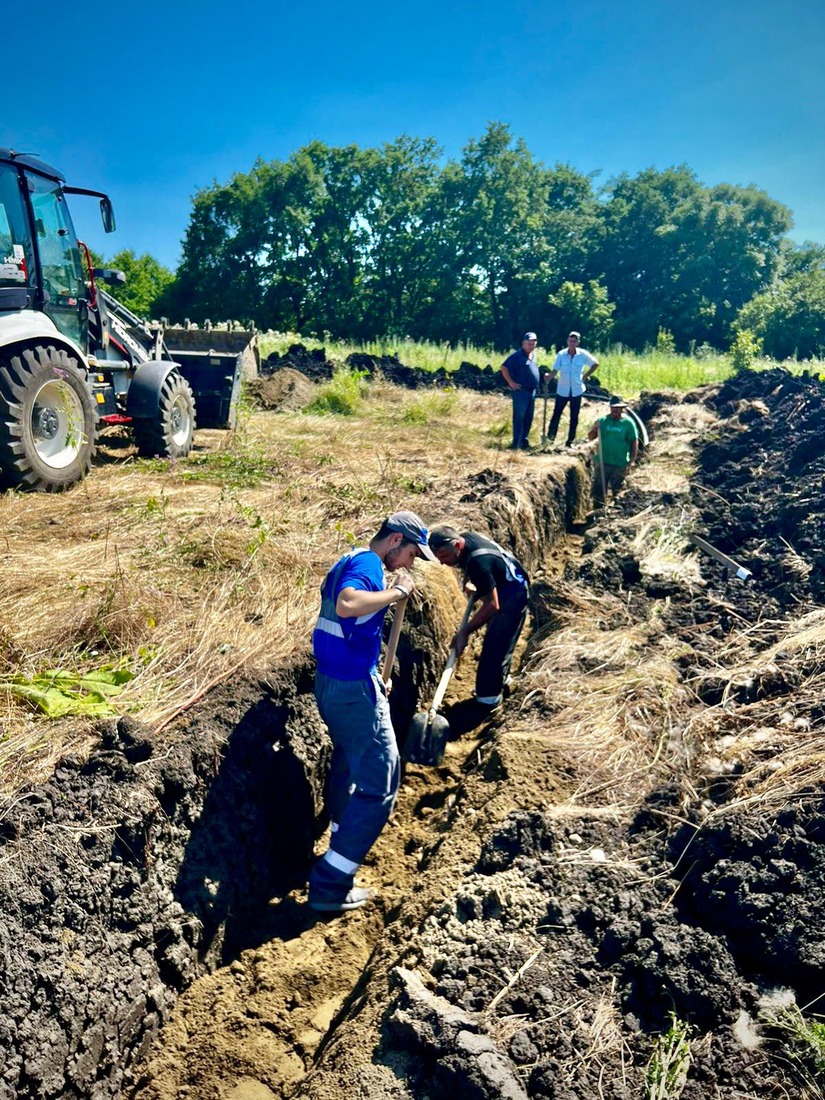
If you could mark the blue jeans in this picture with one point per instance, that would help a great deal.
(365, 771)
(524, 402)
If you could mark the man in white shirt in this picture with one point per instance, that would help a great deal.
(572, 368)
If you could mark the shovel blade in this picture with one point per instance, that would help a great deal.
(426, 739)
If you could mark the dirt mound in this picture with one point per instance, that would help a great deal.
(315, 365)
(286, 390)
(127, 870)
(761, 485)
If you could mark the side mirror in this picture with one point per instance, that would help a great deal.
(107, 215)
(109, 275)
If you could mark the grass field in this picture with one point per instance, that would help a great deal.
(619, 371)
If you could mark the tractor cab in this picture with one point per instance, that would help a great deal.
(40, 263)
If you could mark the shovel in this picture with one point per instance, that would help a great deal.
(428, 730)
(545, 395)
(392, 641)
(601, 470)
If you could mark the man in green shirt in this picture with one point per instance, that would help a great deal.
(618, 448)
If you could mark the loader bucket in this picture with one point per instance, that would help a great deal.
(214, 361)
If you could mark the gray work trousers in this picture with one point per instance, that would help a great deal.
(365, 771)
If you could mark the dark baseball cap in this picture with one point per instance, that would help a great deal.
(412, 527)
(617, 403)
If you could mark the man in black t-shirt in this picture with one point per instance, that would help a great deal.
(503, 587)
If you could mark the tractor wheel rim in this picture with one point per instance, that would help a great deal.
(58, 425)
(180, 421)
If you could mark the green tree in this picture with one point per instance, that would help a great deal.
(500, 196)
(745, 348)
(789, 319)
(146, 280)
(678, 255)
(388, 241)
(404, 260)
(219, 276)
(584, 307)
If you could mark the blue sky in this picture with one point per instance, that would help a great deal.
(151, 102)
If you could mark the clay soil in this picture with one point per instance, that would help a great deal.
(613, 888)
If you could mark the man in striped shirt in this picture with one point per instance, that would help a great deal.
(352, 699)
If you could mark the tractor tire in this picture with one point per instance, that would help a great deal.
(48, 421)
(171, 432)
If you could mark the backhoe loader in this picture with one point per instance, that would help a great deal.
(73, 359)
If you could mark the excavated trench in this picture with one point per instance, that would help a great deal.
(635, 849)
(164, 856)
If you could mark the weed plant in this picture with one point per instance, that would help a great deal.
(341, 396)
(803, 1048)
(430, 406)
(668, 1066)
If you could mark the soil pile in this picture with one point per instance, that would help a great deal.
(315, 365)
(760, 489)
(286, 390)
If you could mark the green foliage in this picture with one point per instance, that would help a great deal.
(58, 693)
(429, 406)
(790, 317)
(235, 467)
(803, 1049)
(146, 281)
(665, 344)
(584, 307)
(668, 1067)
(341, 396)
(683, 256)
(744, 350)
(359, 244)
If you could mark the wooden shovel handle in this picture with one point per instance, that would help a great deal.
(441, 690)
(395, 634)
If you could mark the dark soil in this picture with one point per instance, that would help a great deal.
(519, 951)
(760, 489)
(315, 365)
(684, 909)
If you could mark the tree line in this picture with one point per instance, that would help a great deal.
(394, 241)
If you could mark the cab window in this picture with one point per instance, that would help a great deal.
(60, 267)
(56, 243)
(16, 260)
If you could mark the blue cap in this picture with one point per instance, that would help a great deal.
(412, 527)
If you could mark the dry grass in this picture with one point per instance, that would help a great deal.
(192, 571)
(774, 745)
(610, 697)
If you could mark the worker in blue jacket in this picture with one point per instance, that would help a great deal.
(352, 699)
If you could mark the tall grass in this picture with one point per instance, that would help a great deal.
(423, 354)
(620, 371)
